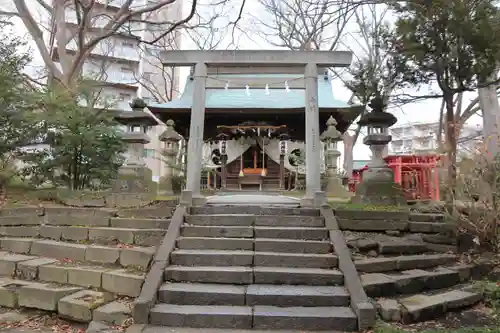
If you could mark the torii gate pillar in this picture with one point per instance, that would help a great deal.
(282, 60)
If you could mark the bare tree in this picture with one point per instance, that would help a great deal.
(369, 76)
(301, 24)
(67, 45)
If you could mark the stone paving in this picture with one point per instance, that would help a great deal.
(256, 199)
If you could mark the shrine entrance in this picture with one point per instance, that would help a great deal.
(254, 161)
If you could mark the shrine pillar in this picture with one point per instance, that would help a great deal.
(314, 197)
(195, 142)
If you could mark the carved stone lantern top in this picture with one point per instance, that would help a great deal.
(170, 135)
(331, 134)
(377, 117)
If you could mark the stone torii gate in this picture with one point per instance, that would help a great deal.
(290, 62)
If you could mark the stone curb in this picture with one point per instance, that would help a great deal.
(154, 278)
(371, 215)
(361, 305)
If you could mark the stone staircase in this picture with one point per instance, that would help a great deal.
(237, 267)
(81, 263)
(408, 265)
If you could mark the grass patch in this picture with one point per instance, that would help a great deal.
(367, 207)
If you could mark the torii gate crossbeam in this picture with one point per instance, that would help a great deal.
(310, 60)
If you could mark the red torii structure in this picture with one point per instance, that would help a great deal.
(417, 175)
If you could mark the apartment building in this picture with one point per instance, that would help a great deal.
(421, 138)
(126, 68)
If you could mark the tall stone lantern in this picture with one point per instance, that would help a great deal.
(377, 186)
(170, 139)
(134, 175)
(331, 137)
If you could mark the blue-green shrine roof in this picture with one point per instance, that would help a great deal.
(257, 98)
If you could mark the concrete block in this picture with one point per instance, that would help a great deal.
(376, 265)
(8, 263)
(217, 231)
(58, 250)
(312, 233)
(211, 258)
(114, 313)
(75, 233)
(20, 231)
(377, 284)
(304, 318)
(140, 223)
(85, 276)
(17, 245)
(301, 260)
(123, 283)
(211, 243)
(401, 247)
(221, 220)
(145, 237)
(20, 220)
(138, 257)
(371, 225)
(201, 294)
(297, 276)
(22, 212)
(80, 305)
(430, 227)
(389, 309)
(111, 235)
(292, 221)
(43, 296)
(9, 290)
(81, 220)
(53, 273)
(51, 232)
(294, 296)
(102, 254)
(227, 275)
(28, 270)
(292, 246)
(197, 316)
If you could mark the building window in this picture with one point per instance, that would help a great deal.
(149, 152)
(127, 44)
(124, 96)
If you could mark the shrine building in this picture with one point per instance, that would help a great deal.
(253, 109)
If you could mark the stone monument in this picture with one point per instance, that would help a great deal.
(330, 137)
(377, 185)
(134, 176)
(170, 139)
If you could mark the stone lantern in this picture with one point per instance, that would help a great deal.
(377, 185)
(222, 138)
(170, 139)
(330, 137)
(134, 175)
(283, 151)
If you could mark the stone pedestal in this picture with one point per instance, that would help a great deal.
(318, 199)
(377, 186)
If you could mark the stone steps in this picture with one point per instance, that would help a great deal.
(254, 294)
(126, 256)
(257, 244)
(256, 317)
(413, 281)
(428, 306)
(253, 210)
(113, 279)
(252, 268)
(248, 275)
(82, 234)
(387, 264)
(255, 220)
(70, 302)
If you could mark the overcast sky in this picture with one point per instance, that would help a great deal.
(425, 111)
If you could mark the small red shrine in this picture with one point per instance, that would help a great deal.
(417, 175)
